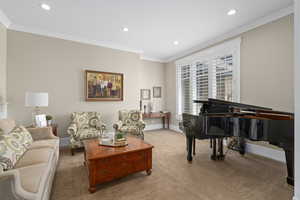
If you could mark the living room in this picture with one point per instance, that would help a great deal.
(59, 57)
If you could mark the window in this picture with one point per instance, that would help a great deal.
(213, 73)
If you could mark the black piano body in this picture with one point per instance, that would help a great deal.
(220, 119)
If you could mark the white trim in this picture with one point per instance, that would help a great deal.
(266, 152)
(74, 38)
(4, 19)
(150, 127)
(235, 32)
(175, 128)
(142, 57)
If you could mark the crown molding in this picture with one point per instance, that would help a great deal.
(4, 19)
(74, 38)
(235, 32)
(153, 59)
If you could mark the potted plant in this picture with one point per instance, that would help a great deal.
(49, 119)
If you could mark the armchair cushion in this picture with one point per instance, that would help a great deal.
(88, 133)
(129, 129)
(86, 119)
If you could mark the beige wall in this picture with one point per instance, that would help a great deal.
(266, 68)
(3, 39)
(44, 64)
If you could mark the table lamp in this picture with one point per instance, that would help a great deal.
(36, 100)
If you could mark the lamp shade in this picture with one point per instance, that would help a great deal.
(35, 99)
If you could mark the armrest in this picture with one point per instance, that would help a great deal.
(42, 133)
(118, 125)
(141, 124)
(11, 188)
(72, 129)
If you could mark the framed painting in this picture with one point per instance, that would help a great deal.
(103, 86)
(145, 94)
(156, 92)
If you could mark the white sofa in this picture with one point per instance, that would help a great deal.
(32, 176)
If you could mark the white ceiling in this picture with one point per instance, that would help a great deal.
(153, 24)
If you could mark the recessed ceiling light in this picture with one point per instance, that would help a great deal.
(45, 6)
(176, 42)
(125, 29)
(231, 12)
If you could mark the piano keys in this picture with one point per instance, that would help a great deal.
(220, 119)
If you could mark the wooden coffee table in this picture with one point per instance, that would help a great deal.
(108, 163)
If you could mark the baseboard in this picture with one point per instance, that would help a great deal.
(253, 148)
(266, 152)
(64, 141)
(175, 128)
(150, 127)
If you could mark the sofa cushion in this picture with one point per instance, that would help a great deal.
(32, 176)
(50, 143)
(23, 135)
(11, 150)
(6, 125)
(35, 156)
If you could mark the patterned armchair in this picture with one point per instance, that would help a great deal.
(84, 125)
(130, 122)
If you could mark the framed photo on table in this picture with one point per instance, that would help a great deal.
(40, 121)
(103, 86)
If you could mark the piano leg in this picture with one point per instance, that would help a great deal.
(221, 155)
(214, 155)
(189, 140)
(242, 145)
(289, 155)
(194, 146)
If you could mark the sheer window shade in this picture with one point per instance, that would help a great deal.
(210, 74)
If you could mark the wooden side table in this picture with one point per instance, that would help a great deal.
(164, 116)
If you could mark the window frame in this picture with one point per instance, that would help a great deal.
(231, 47)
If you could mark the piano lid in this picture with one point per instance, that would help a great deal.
(231, 104)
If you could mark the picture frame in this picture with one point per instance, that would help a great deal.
(157, 92)
(103, 86)
(145, 94)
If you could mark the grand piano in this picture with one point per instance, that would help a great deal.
(220, 119)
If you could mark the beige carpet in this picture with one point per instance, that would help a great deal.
(237, 178)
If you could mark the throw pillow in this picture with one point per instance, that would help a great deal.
(1, 132)
(23, 135)
(11, 150)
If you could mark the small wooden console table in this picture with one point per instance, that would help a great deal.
(164, 116)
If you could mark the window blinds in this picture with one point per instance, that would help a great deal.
(210, 75)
